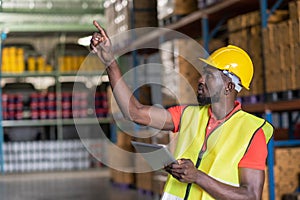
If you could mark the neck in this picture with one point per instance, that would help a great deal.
(221, 109)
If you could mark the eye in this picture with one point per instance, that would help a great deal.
(208, 75)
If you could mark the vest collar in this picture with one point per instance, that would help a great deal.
(237, 106)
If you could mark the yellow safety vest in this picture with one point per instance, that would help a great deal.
(226, 146)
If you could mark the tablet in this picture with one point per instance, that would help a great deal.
(157, 156)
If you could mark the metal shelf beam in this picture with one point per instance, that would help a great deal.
(33, 22)
(53, 122)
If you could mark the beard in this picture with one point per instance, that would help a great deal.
(204, 98)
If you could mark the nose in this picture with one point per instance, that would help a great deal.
(201, 79)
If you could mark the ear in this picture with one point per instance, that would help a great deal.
(230, 86)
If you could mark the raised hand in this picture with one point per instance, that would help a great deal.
(101, 45)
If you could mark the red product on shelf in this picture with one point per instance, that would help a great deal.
(42, 105)
(34, 114)
(66, 96)
(66, 105)
(11, 107)
(101, 112)
(76, 104)
(51, 96)
(5, 115)
(19, 115)
(104, 104)
(43, 114)
(34, 106)
(51, 105)
(34, 97)
(10, 115)
(83, 104)
(83, 113)
(51, 114)
(76, 113)
(66, 114)
(18, 98)
(42, 97)
(19, 106)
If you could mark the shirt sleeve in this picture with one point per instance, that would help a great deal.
(255, 157)
(176, 112)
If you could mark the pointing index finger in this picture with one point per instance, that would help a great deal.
(101, 30)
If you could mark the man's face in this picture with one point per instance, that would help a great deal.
(210, 86)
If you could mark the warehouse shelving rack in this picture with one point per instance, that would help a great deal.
(210, 21)
(58, 122)
(44, 21)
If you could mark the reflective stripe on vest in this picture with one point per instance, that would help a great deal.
(226, 145)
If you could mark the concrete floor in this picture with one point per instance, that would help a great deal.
(78, 185)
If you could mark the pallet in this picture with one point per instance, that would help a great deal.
(271, 97)
(145, 192)
(253, 99)
(283, 96)
(293, 196)
(122, 186)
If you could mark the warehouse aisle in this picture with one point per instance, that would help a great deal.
(76, 185)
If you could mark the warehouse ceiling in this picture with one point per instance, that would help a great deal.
(19, 16)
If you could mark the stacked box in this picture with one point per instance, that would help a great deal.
(181, 69)
(169, 82)
(120, 177)
(249, 39)
(123, 15)
(143, 180)
(241, 22)
(281, 52)
(121, 160)
(286, 171)
(184, 7)
(159, 179)
(294, 9)
(245, 32)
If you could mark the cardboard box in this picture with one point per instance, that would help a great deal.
(183, 7)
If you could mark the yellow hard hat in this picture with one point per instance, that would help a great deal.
(234, 60)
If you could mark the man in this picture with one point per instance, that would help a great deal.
(221, 149)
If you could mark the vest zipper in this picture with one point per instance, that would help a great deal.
(200, 155)
(188, 189)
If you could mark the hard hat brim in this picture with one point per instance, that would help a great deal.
(208, 62)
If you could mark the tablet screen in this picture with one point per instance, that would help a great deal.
(157, 156)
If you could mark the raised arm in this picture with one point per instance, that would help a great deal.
(131, 108)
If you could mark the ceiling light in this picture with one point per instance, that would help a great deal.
(85, 41)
